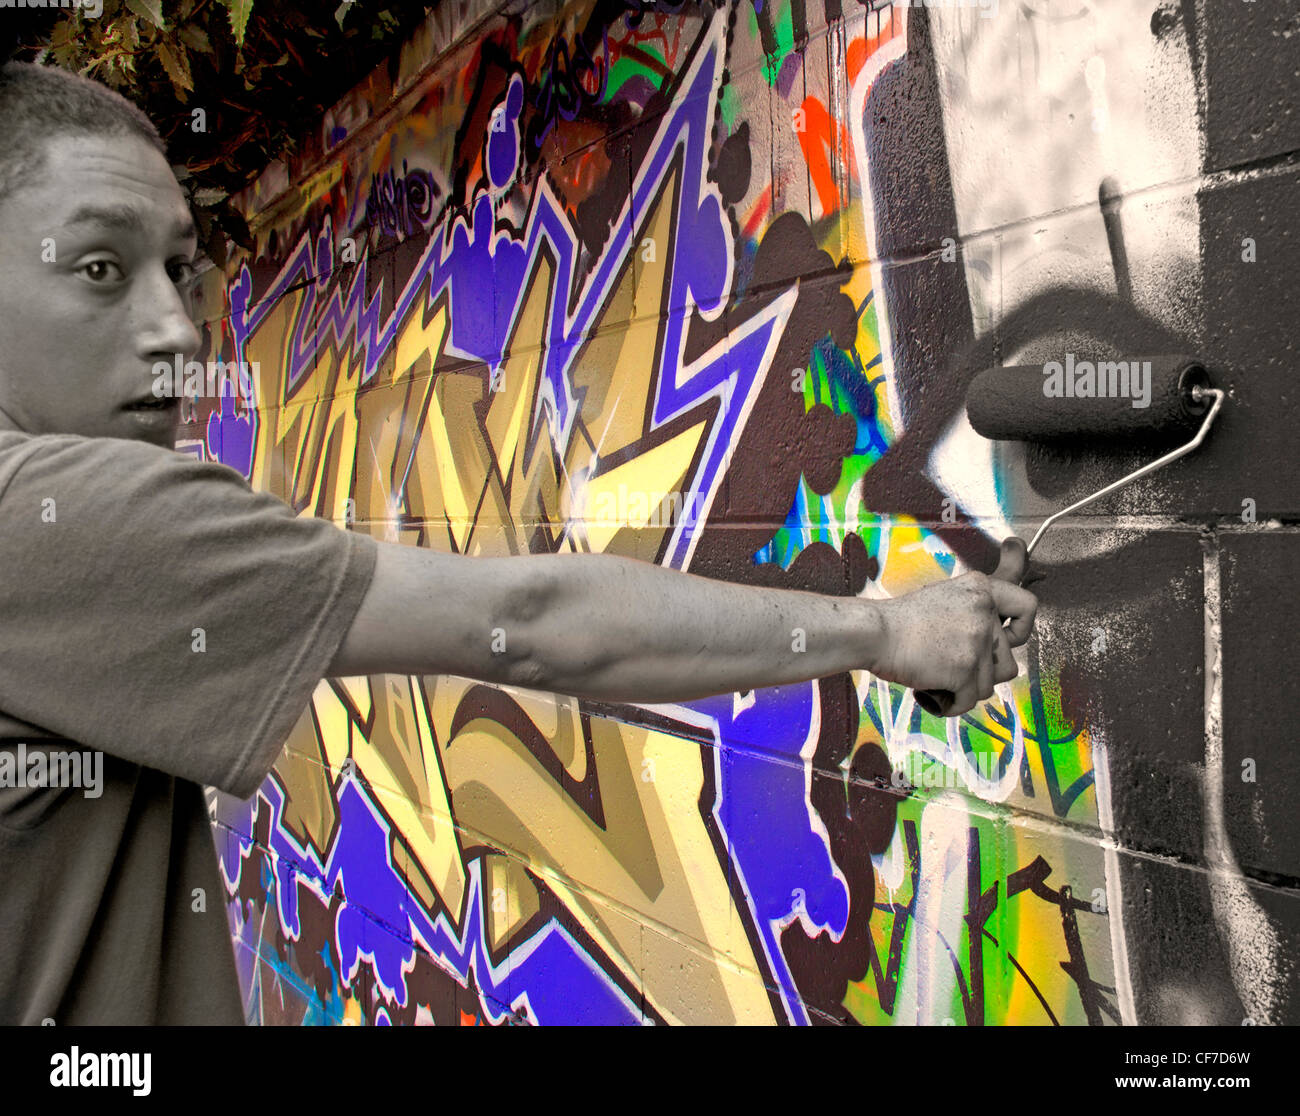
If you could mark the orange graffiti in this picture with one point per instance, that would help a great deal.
(819, 134)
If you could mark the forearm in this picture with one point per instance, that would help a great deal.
(598, 626)
(620, 629)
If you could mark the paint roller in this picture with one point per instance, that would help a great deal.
(1153, 398)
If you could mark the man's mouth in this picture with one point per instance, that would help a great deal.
(152, 403)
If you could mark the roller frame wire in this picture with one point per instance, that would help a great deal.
(937, 702)
(1198, 393)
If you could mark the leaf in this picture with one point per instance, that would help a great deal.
(297, 58)
(196, 38)
(199, 163)
(239, 11)
(210, 195)
(114, 78)
(215, 247)
(203, 219)
(130, 33)
(232, 221)
(150, 10)
(341, 12)
(175, 61)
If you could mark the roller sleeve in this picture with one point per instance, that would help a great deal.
(1078, 399)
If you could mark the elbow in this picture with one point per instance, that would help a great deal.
(552, 643)
(529, 673)
(520, 629)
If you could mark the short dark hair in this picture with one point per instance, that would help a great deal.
(38, 103)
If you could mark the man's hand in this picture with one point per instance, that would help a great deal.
(950, 636)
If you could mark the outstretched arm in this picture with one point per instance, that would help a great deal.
(620, 629)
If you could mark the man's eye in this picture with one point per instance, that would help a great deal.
(101, 271)
(183, 273)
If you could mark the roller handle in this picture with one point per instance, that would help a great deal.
(938, 702)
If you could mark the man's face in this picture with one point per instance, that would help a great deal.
(95, 275)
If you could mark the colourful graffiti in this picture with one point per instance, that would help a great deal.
(401, 206)
(631, 250)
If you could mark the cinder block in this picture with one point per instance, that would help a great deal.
(1260, 770)
(1120, 625)
(1208, 948)
(1250, 83)
(1250, 311)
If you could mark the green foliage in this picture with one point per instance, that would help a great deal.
(245, 64)
(239, 11)
(148, 9)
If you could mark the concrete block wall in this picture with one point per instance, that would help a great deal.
(706, 284)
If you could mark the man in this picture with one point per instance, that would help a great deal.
(157, 610)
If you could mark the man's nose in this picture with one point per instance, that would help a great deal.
(164, 319)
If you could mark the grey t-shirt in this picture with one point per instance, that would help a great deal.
(155, 608)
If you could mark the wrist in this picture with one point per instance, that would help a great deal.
(872, 627)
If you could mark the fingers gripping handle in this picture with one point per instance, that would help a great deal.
(1012, 566)
(939, 703)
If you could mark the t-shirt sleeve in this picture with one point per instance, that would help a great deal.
(155, 607)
